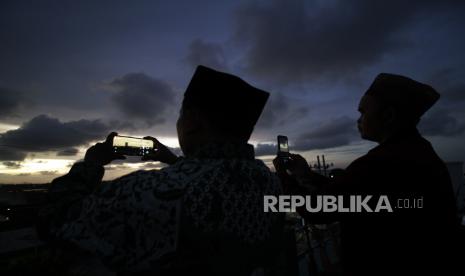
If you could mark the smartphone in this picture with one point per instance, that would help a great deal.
(283, 148)
(134, 146)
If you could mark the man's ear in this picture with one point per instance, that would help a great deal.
(390, 115)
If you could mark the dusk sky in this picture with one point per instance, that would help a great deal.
(73, 71)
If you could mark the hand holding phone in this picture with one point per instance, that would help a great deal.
(102, 153)
(283, 148)
(162, 153)
(283, 156)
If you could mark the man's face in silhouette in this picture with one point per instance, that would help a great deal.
(370, 123)
(182, 127)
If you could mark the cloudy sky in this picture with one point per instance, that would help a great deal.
(73, 71)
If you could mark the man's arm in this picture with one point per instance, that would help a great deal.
(67, 192)
(299, 179)
(65, 197)
(117, 220)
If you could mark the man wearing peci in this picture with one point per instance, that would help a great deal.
(201, 215)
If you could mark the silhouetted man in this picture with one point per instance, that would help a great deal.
(405, 168)
(202, 215)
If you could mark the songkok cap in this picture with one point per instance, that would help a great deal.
(230, 103)
(412, 97)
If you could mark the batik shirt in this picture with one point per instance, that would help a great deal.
(138, 222)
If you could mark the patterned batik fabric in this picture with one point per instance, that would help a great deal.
(133, 223)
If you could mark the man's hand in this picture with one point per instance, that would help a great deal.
(295, 164)
(295, 174)
(298, 166)
(161, 153)
(102, 153)
(280, 166)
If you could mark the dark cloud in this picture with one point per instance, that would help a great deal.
(450, 84)
(68, 152)
(455, 92)
(141, 97)
(206, 53)
(441, 123)
(334, 133)
(265, 149)
(275, 108)
(11, 153)
(303, 40)
(44, 133)
(11, 164)
(11, 103)
(280, 110)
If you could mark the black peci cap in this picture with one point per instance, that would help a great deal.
(229, 102)
(413, 97)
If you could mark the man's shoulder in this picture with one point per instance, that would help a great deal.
(366, 161)
(173, 177)
(380, 155)
(227, 173)
(190, 170)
